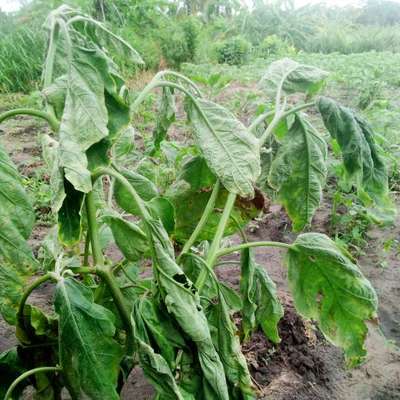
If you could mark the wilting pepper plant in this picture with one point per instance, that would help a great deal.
(175, 322)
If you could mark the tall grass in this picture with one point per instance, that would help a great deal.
(21, 58)
(354, 39)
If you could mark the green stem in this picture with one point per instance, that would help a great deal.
(52, 121)
(242, 246)
(212, 254)
(28, 291)
(87, 248)
(26, 375)
(298, 108)
(203, 220)
(94, 230)
(119, 300)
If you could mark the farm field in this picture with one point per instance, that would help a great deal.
(204, 229)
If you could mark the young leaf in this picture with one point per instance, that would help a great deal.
(166, 116)
(330, 289)
(183, 302)
(144, 187)
(293, 77)
(230, 150)
(86, 332)
(361, 158)
(130, 239)
(298, 172)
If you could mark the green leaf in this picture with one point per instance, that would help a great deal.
(229, 350)
(330, 289)
(166, 116)
(125, 144)
(154, 365)
(143, 186)
(261, 306)
(364, 165)
(69, 216)
(195, 171)
(84, 120)
(298, 172)
(230, 150)
(17, 215)
(183, 302)
(293, 77)
(269, 309)
(11, 367)
(86, 332)
(130, 239)
(189, 205)
(160, 207)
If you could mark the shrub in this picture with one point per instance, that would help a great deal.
(234, 51)
(274, 45)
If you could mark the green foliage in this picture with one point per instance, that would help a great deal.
(234, 51)
(273, 45)
(168, 213)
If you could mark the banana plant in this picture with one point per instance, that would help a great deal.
(176, 322)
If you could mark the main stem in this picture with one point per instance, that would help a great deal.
(94, 230)
(212, 254)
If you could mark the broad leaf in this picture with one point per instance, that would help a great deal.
(298, 172)
(143, 186)
(84, 120)
(183, 302)
(330, 289)
(160, 207)
(125, 144)
(362, 160)
(189, 196)
(86, 332)
(165, 117)
(230, 150)
(130, 239)
(293, 77)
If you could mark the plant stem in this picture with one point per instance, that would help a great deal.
(298, 108)
(52, 121)
(87, 248)
(28, 291)
(203, 220)
(242, 246)
(212, 254)
(26, 375)
(119, 300)
(94, 230)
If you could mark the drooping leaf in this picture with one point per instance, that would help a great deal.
(17, 216)
(298, 172)
(160, 207)
(262, 307)
(130, 239)
(125, 144)
(230, 150)
(330, 289)
(118, 114)
(143, 186)
(293, 77)
(86, 332)
(269, 309)
(11, 367)
(195, 171)
(165, 117)
(183, 302)
(69, 215)
(84, 120)
(362, 160)
(154, 365)
(229, 350)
